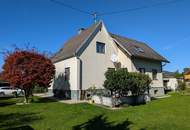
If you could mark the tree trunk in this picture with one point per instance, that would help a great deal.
(31, 94)
(27, 93)
(25, 96)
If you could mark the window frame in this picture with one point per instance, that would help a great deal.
(101, 50)
(67, 74)
(154, 74)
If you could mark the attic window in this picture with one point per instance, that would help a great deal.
(138, 49)
(100, 47)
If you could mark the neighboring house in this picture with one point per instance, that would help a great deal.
(187, 77)
(84, 59)
(170, 82)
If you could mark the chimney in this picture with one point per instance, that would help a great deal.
(80, 30)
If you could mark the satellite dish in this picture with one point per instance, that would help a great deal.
(114, 58)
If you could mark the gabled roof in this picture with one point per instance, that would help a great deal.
(79, 42)
(187, 72)
(71, 47)
(138, 49)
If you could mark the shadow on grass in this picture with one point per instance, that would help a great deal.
(17, 120)
(6, 98)
(4, 104)
(100, 123)
(6, 101)
(44, 100)
(21, 128)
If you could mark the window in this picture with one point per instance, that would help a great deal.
(138, 49)
(155, 91)
(154, 74)
(166, 83)
(142, 70)
(100, 47)
(67, 74)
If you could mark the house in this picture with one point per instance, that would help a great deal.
(187, 77)
(170, 81)
(84, 59)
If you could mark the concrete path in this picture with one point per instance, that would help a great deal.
(73, 101)
(50, 95)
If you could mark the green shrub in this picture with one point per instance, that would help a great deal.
(115, 80)
(120, 82)
(181, 85)
(139, 83)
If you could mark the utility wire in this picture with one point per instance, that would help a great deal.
(71, 7)
(139, 8)
(95, 14)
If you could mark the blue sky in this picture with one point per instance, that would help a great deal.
(46, 25)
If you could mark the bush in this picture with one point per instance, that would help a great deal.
(181, 85)
(120, 82)
(139, 83)
(115, 80)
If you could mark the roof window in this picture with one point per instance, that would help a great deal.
(138, 49)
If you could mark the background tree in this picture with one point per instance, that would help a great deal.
(177, 74)
(26, 68)
(1, 79)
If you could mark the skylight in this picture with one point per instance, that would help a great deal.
(138, 49)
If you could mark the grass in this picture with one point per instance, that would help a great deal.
(171, 113)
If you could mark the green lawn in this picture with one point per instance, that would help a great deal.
(163, 114)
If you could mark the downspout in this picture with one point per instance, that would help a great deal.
(79, 74)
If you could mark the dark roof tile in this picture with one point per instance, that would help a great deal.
(138, 49)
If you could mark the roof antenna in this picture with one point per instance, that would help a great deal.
(94, 14)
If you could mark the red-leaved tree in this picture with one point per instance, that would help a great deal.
(26, 68)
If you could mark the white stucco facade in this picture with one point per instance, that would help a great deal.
(73, 64)
(125, 60)
(94, 65)
(171, 83)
